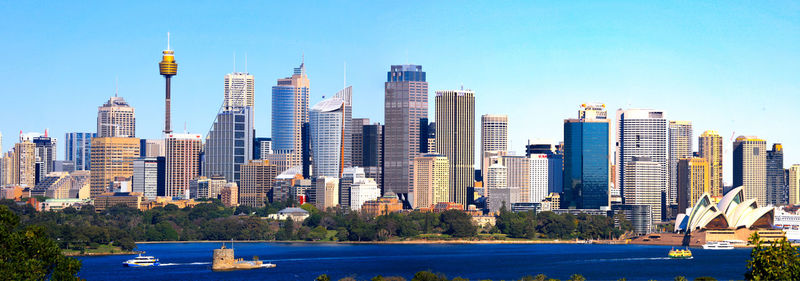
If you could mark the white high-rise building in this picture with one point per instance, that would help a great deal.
(239, 90)
(116, 118)
(546, 176)
(643, 185)
(642, 133)
(494, 135)
(145, 176)
(327, 126)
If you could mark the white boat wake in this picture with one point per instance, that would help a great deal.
(190, 263)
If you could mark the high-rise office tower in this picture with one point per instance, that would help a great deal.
(455, 139)
(149, 175)
(45, 155)
(78, 148)
(258, 177)
(693, 175)
(405, 104)
(518, 176)
(361, 191)
(710, 148)
(373, 153)
(229, 144)
(183, 162)
(494, 134)
(776, 185)
(643, 184)
(329, 143)
(750, 167)
(546, 176)
(680, 146)
(116, 118)
(541, 146)
(239, 90)
(431, 180)
(261, 148)
(427, 137)
(112, 157)
(23, 164)
(168, 67)
(357, 143)
(794, 184)
(586, 159)
(642, 133)
(289, 112)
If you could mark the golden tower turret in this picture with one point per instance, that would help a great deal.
(168, 68)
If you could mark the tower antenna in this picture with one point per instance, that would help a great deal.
(344, 81)
(167, 40)
(245, 62)
(116, 90)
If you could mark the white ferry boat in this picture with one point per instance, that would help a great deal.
(789, 223)
(718, 245)
(142, 261)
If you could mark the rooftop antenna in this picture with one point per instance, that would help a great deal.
(344, 82)
(185, 131)
(116, 90)
(234, 62)
(245, 62)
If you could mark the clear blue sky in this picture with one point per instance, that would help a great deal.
(725, 66)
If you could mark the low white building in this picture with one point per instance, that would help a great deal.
(363, 190)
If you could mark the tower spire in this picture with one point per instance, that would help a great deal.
(167, 40)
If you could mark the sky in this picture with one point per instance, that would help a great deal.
(728, 66)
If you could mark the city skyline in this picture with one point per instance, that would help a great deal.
(554, 72)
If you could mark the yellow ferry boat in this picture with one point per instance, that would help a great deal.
(680, 254)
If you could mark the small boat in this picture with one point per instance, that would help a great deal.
(142, 261)
(718, 245)
(680, 254)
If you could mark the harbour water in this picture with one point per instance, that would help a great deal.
(306, 261)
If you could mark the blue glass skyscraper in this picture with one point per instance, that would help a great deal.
(77, 149)
(289, 112)
(586, 160)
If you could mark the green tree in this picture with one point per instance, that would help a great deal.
(428, 276)
(323, 277)
(27, 254)
(458, 223)
(576, 277)
(777, 261)
(680, 278)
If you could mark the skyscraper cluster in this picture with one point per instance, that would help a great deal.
(321, 154)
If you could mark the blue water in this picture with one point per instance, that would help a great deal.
(301, 261)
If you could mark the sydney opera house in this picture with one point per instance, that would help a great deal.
(734, 218)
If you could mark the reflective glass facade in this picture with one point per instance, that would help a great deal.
(585, 164)
(77, 149)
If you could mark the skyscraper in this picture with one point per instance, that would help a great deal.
(182, 162)
(680, 146)
(329, 142)
(644, 184)
(23, 164)
(431, 180)
(405, 104)
(261, 148)
(45, 153)
(794, 184)
(229, 144)
(776, 185)
(168, 67)
(710, 148)
(116, 118)
(494, 135)
(258, 177)
(112, 157)
(349, 177)
(357, 143)
(546, 176)
(289, 112)
(373, 153)
(693, 181)
(239, 90)
(750, 167)
(518, 176)
(586, 159)
(642, 133)
(78, 148)
(149, 175)
(455, 139)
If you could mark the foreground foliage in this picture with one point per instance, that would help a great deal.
(778, 260)
(27, 254)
